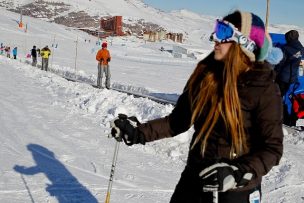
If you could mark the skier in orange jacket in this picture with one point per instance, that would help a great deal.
(103, 57)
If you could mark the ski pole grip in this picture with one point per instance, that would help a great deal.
(122, 116)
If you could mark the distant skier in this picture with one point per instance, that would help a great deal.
(45, 54)
(103, 57)
(8, 51)
(34, 56)
(1, 49)
(15, 53)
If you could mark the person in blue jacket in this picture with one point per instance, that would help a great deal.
(15, 53)
(1, 49)
(287, 70)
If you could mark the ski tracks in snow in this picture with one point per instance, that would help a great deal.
(286, 180)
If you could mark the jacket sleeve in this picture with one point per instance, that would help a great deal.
(177, 122)
(98, 57)
(268, 147)
(109, 55)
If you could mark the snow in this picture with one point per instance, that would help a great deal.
(54, 133)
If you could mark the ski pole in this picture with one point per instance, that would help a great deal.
(27, 188)
(215, 197)
(112, 172)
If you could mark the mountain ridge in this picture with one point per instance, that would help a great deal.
(137, 16)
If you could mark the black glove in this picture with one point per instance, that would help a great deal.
(222, 177)
(108, 60)
(125, 128)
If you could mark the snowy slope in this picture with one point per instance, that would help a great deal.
(54, 145)
(40, 34)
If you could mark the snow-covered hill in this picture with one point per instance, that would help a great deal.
(195, 27)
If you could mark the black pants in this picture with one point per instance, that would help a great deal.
(283, 87)
(189, 190)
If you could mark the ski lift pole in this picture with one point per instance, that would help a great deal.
(267, 15)
(215, 196)
(112, 172)
(53, 50)
(76, 57)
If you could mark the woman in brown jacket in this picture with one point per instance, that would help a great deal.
(236, 109)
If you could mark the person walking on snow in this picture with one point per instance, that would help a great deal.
(34, 56)
(103, 57)
(8, 52)
(45, 54)
(15, 53)
(235, 106)
(1, 49)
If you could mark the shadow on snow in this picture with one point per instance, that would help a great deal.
(64, 186)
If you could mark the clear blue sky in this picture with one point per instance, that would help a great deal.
(290, 12)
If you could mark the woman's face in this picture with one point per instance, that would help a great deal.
(221, 50)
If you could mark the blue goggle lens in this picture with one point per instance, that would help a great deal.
(223, 31)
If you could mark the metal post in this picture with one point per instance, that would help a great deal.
(76, 58)
(20, 22)
(112, 172)
(267, 15)
(53, 51)
(215, 197)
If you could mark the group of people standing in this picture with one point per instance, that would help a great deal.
(103, 57)
(7, 51)
(44, 53)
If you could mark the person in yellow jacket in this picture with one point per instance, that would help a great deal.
(103, 57)
(45, 54)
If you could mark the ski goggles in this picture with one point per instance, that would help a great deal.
(226, 32)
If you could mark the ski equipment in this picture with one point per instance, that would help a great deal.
(226, 32)
(222, 177)
(112, 172)
(125, 128)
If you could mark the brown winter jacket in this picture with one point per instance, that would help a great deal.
(262, 112)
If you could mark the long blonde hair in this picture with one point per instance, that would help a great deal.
(213, 94)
